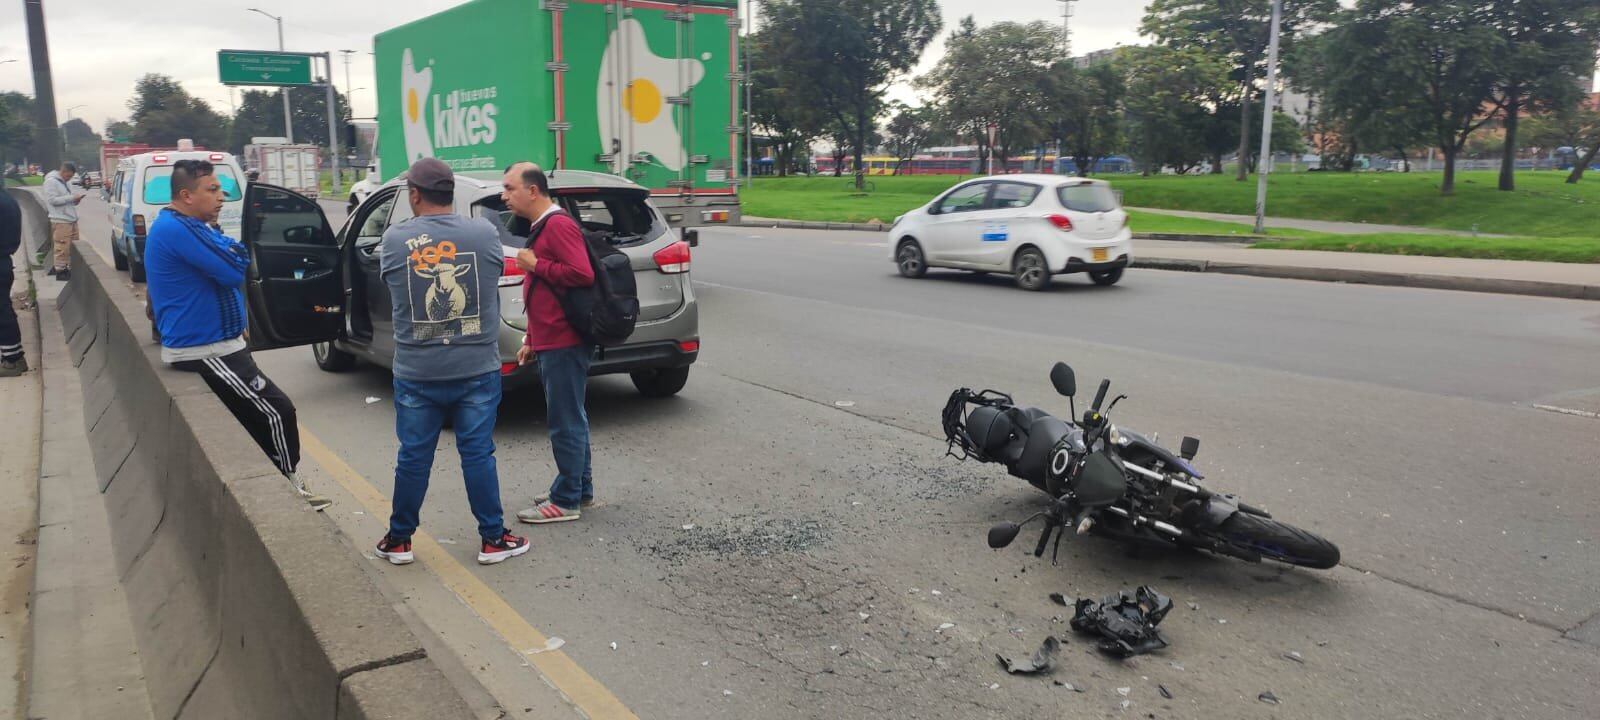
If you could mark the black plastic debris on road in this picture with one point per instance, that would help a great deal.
(1060, 599)
(1126, 622)
(1164, 691)
(1069, 686)
(1268, 698)
(1040, 662)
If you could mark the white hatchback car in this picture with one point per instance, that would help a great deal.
(1029, 226)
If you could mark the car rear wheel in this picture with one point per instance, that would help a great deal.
(1030, 270)
(332, 359)
(1106, 277)
(910, 261)
(117, 258)
(665, 382)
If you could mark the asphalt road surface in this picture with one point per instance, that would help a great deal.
(787, 539)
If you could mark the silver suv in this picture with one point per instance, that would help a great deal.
(311, 286)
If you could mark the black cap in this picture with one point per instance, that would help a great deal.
(431, 174)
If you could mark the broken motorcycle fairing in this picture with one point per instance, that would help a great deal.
(1126, 622)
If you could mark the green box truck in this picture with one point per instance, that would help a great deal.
(645, 89)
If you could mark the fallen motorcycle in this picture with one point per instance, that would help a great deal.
(1110, 479)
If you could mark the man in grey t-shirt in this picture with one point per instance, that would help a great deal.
(443, 271)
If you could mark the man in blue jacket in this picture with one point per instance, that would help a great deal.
(194, 277)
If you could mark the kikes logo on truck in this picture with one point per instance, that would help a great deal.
(460, 118)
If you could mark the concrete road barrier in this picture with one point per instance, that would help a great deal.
(244, 602)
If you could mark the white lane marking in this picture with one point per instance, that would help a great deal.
(1568, 411)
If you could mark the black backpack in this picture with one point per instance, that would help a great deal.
(604, 313)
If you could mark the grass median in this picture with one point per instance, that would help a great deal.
(1573, 216)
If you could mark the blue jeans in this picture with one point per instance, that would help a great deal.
(420, 409)
(565, 374)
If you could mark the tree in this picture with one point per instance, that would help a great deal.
(845, 53)
(1083, 111)
(82, 144)
(118, 130)
(164, 113)
(1237, 30)
(1577, 127)
(1169, 110)
(996, 76)
(1549, 48)
(16, 127)
(260, 114)
(1437, 59)
(1352, 112)
(784, 112)
(909, 131)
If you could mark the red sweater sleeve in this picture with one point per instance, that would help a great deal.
(563, 256)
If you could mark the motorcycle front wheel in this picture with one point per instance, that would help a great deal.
(1279, 541)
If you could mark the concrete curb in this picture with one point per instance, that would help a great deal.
(244, 602)
(1501, 286)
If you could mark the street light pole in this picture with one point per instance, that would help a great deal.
(348, 99)
(64, 127)
(1265, 159)
(288, 123)
(749, 128)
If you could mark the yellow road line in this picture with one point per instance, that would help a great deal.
(580, 688)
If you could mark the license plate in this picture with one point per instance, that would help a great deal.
(1101, 254)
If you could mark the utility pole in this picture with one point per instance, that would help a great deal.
(47, 138)
(749, 127)
(333, 125)
(1066, 28)
(1265, 159)
(347, 98)
(288, 122)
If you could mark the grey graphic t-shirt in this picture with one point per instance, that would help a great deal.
(443, 272)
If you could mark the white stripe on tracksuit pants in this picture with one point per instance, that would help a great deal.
(264, 410)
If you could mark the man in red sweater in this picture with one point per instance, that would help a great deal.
(556, 260)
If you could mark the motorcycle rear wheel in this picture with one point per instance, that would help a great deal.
(1279, 541)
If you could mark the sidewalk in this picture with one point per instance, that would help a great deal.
(1325, 226)
(1512, 277)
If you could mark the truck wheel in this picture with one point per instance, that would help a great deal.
(117, 258)
(136, 270)
(665, 382)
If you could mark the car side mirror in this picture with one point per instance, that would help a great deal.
(1064, 379)
(1190, 447)
(692, 237)
(1002, 534)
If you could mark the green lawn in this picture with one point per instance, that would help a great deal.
(1573, 210)
(26, 180)
(1543, 205)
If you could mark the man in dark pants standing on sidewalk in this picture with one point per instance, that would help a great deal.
(194, 278)
(12, 363)
(555, 261)
(443, 274)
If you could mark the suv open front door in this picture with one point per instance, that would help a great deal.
(295, 288)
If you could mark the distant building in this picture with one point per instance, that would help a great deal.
(1095, 58)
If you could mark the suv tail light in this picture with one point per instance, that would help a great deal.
(138, 225)
(673, 258)
(510, 273)
(1062, 222)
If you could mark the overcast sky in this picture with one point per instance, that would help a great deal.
(98, 48)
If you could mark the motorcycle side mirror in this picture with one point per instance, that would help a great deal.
(1064, 379)
(1002, 534)
(1190, 447)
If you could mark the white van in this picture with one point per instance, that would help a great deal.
(142, 186)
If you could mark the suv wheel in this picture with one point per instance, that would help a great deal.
(1030, 269)
(332, 359)
(136, 269)
(665, 382)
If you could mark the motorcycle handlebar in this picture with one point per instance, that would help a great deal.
(1100, 396)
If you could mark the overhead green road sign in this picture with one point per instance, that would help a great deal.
(254, 67)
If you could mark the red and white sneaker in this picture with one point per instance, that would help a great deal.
(548, 512)
(396, 550)
(508, 546)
